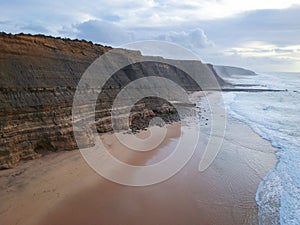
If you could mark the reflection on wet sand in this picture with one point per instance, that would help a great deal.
(223, 194)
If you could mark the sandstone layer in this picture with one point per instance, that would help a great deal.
(38, 78)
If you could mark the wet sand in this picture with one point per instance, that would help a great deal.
(61, 189)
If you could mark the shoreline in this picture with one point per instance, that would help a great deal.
(60, 188)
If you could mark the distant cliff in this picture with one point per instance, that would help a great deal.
(228, 71)
(38, 79)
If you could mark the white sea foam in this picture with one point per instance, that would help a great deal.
(276, 117)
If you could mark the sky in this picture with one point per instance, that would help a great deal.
(261, 35)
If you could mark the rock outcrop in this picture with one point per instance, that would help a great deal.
(38, 79)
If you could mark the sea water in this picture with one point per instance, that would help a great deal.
(276, 117)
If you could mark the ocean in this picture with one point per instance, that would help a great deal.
(275, 116)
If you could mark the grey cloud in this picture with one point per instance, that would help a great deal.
(110, 33)
(103, 32)
(111, 17)
(35, 28)
(5, 22)
(280, 27)
(190, 39)
(278, 50)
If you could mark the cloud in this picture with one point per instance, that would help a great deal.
(279, 27)
(111, 33)
(149, 13)
(260, 49)
(111, 17)
(103, 32)
(192, 39)
(34, 28)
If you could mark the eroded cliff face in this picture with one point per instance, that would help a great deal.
(38, 79)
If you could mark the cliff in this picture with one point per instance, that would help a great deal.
(228, 71)
(38, 79)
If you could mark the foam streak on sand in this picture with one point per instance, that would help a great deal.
(275, 116)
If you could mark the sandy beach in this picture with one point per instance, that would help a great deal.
(61, 189)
